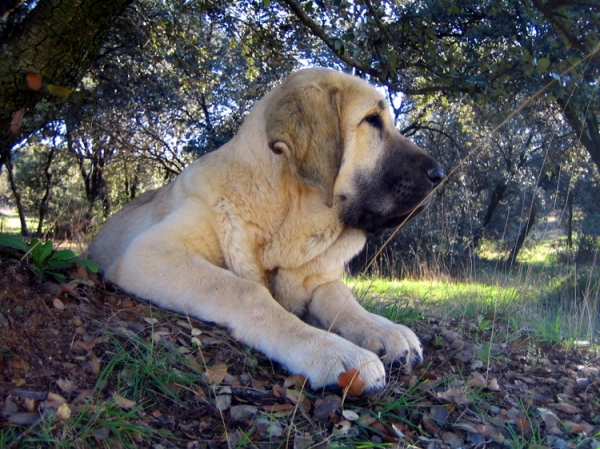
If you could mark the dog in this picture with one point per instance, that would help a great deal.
(255, 235)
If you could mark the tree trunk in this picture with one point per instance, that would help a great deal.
(17, 195)
(58, 39)
(587, 130)
(522, 235)
(495, 199)
(46, 198)
(570, 221)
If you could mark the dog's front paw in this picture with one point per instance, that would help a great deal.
(323, 358)
(394, 343)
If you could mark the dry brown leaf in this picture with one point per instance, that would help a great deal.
(85, 345)
(216, 374)
(452, 440)
(95, 365)
(523, 424)
(455, 396)
(101, 434)
(576, 429)
(29, 404)
(223, 399)
(565, 407)
(478, 381)
(294, 395)
(352, 382)
(124, 403)
(295, 380)
(54, 399)
(341, 428)
(493, 385)
(58, 304)
(279, 408)
(23, 419)
(63, 412)
(18, 381)
(66, 385)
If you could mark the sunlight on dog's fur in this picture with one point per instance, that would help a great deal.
(255, 236)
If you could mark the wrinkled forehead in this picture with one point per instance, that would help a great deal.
(363, 95)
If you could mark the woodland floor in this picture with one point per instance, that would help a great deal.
(72, 353)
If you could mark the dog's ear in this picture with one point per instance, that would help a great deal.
(303, 123)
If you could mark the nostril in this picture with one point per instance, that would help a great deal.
(435, 174)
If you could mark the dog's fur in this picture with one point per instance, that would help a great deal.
(255, 236)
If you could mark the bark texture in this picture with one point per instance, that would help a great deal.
(57, 39)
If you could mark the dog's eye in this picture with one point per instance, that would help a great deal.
(374, 120)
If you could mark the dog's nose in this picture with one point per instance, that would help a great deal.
(435, 173)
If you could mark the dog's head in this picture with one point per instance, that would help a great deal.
(338, 136)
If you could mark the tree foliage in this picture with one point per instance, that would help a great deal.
(170, 81)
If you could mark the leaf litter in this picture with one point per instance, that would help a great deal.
(63, 352)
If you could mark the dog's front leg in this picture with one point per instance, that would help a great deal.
(334, 307)
(171, 277)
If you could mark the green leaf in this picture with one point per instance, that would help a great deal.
(40, 251)
(13, 242)
(57, 276)
(87, 263)
(542, 65)
(64, 254)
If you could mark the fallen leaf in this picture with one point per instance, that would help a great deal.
(54, 399)
(352, 382)
(452, 440)
(23, 419)
(63, 412)
(243, 412)
(70, 289)
(478, 381)
(493, 385)
(330, 405)
(223, 399)
(565, 407)
(15, 122)
(294, 395)
(576, 429)
(455, 396)
(66, 385)
(350, 415)
(523, 424)
(34, 81)
(18, 381)
(341, 428)
(124, 403)
(295, 380)
(85, 345)
(58, 304)
(101, 434)
(216, 374)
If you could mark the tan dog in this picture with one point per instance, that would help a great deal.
(255, 236)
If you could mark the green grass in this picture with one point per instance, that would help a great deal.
(559, 303)
(10, 223)
(448, 298)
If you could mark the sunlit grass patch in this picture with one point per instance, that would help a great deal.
(440, 297)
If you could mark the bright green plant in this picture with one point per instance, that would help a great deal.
(44, 262)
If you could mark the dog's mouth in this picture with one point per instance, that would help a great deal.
(375, 222)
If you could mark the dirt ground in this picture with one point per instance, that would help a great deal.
(67, 351)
